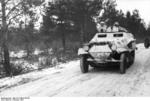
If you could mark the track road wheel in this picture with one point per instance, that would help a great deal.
(147, 43)
(123, 63)
(84, 64)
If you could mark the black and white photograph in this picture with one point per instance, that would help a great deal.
(74, 48)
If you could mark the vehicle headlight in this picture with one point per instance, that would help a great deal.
(86, 48)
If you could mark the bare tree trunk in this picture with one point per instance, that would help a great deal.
(63, 37)
(7, 60)
(5, 39)
(85, 28)
(81, 34)
(64, 41)
(28, 50)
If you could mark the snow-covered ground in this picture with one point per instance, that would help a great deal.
(67, 80)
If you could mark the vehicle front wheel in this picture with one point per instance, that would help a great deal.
(123, 63)
(132, 57)
(84, 64)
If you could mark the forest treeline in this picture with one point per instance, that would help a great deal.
(66, 24)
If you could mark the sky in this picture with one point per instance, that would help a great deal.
(142, 5)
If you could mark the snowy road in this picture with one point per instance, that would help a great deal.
(69, 81)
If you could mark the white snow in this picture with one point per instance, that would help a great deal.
(18, 54)
(67, 80)
(37, 52)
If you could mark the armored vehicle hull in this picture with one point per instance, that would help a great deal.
(108, 48)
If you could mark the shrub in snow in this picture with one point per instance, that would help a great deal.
(42, 61)
(22, 66)
(47, 61)
(17, 69)
(54, 61)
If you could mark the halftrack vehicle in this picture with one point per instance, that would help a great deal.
(108, 48)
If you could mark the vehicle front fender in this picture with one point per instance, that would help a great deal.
(81, 51)
(121, 50)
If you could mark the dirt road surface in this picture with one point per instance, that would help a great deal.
(67, 80)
